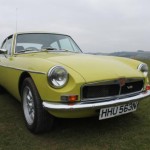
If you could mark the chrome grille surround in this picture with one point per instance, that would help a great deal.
(112, 82)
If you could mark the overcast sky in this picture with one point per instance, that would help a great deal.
(96, 25)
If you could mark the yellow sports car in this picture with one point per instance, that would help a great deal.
(51, 76)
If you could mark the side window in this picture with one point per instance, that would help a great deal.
(7, 44)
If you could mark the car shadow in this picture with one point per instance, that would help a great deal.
(123, 122)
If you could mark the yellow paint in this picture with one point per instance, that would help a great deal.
(82, 69)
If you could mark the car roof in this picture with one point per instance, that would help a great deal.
(45, 32)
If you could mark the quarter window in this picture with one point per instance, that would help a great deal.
(7, 44)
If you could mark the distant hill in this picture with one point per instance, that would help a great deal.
(140, 54)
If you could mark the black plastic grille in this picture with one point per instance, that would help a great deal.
(100, 91)
(132, 87)
(110, 90)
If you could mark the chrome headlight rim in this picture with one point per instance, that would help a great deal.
(144, 69)
(49, 77)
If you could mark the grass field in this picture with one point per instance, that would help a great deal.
(128, 132)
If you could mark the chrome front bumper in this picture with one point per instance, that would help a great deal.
(80, 105)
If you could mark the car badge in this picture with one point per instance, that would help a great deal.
(122, 81)
(130, 87)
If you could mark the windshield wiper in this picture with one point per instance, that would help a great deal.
(45, 49)
(26, 50)
(48, 49)
(66, 50)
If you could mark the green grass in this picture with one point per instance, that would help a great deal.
(128, 132)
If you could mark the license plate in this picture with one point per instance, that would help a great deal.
(117, 110)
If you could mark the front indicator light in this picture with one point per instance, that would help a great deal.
(69, 98)
(147, 87)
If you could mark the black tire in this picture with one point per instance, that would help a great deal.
(2, 91)
(37, 119)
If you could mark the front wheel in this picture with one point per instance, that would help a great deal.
(36, 117)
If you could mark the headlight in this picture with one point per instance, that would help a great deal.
(57, 77)
(143, 68)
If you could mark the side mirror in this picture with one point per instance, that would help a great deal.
(3, 51)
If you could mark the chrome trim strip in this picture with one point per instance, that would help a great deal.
(110, 97)
(23, 69)
(113, 81)
(39, 33)
(108, 82)
(12, 45)
(14, 50)
(80, 106)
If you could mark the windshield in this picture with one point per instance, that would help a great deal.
(45, 41)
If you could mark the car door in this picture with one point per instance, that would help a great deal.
(5, 61)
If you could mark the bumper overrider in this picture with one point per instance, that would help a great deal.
(96, 105)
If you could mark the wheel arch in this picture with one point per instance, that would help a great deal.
(23, 76)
